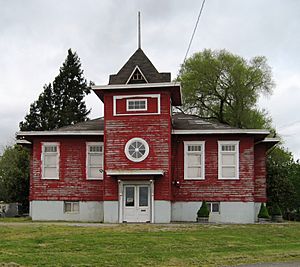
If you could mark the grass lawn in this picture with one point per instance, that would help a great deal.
(38, 244)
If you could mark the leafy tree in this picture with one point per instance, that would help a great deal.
(14, 175)
(225, 87)
(280, 188)
(61, 103)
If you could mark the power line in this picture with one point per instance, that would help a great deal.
(195, 28)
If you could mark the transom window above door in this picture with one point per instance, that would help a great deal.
(136, 149)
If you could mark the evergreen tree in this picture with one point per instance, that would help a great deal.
(61, 103)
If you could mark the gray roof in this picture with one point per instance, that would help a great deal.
(142, 61)
(90, 125)
(182, 121)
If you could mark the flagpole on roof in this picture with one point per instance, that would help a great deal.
(139, 29)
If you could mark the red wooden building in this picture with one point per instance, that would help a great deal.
(141, 163)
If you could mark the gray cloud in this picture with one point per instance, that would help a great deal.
(35, 36)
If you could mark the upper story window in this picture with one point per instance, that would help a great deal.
(194, 162)
(50, 161)
(136, 104)
(94, 163)
(228, 159)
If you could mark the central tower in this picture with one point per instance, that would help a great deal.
(137, 141)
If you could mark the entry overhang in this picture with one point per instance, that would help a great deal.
(134, 172)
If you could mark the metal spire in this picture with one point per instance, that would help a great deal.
(139, 29)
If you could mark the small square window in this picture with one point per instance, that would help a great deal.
(214, 207)
(71, 206)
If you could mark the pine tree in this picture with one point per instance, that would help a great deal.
(61, 103)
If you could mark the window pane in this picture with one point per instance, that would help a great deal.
(228, 159)
(95, 160)
(75, 207)
(194, 147)
(95, 172)
(228, 147)
(50, 148)
(228, 172)
(194, 160)
(50, 172)
(50, 160)
(129, 196)
(96, 148)
(215, 207)
(68, 207)
(194, 172)
(143, 196)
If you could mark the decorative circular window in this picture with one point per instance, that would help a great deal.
(136, 149)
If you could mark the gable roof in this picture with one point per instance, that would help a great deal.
(181, 124)
(145, 65)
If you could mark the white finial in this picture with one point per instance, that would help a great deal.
(139, 29)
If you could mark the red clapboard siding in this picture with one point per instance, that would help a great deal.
(152, 105)
(155, 129)
(72, 183)
(260, 173)
(212, 189)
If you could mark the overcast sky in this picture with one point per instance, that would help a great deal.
(35, 36)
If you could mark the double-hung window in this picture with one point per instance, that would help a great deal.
(228, 160)
(94, 162)
(50, 161)
(194, 163)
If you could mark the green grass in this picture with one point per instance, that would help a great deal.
(38, 244)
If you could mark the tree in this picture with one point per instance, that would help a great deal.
(280, 172)
(14, 175)
(225, 87)
(61, 103)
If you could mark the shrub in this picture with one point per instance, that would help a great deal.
(276, 210)
(203, 211)
(263, 212)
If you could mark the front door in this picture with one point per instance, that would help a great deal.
(136, 206)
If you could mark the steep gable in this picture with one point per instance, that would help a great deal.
(139, 61)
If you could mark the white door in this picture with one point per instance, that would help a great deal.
(136, 206)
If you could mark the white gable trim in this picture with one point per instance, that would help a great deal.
(136, 68)
(136, 85)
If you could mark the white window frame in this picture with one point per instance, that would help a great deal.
(210, 204)
(88, 145)
(119, 97)
(72, 207)
(136, 139)
(136, 109)
(202, 165)
(45, 144)
(220, 153)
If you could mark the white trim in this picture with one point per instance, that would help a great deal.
(134, 172)
(137, 67)
(23, 142)
(88, 144)
(222, 131)
(46, 133)
(202, 152)
(115, 98)
(144, 143)
(57, 144)
(224, 142)
(135, 85)
(137, 109)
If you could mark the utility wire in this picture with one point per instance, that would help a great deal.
(195, 28)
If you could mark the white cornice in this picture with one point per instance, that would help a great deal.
(134, 172)
(222, 131)
(138, 85)
(49, 133)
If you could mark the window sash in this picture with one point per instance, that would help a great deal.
(50, 161)
(71, 206)
(94, 164)
(194, 162)
(228, 160)
(136, 104)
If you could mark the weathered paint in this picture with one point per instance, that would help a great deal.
(72, 183)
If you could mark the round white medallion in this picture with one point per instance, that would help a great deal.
(136, 149)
